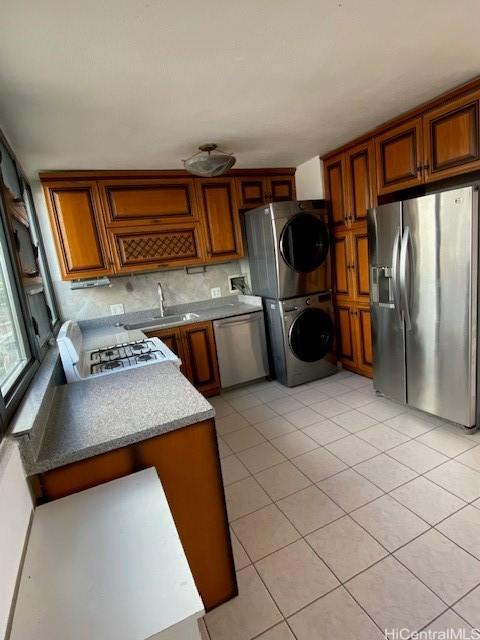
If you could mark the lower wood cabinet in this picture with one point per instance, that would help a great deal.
(194, 344)
(188, 465)
(354, 337)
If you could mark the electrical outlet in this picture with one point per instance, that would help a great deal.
(215, 292)
(117, 309)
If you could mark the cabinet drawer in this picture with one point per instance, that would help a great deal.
(149, 201)
(156, 247)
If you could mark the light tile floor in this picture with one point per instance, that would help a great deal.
(349, 514)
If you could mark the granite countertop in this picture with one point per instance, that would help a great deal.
(104, 413)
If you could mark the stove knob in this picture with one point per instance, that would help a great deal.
(308, 301)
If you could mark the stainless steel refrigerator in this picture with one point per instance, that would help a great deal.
(423, 298)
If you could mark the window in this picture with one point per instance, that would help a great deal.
(28, 315)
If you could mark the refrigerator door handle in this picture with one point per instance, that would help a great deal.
(396, 297)
(404, 277)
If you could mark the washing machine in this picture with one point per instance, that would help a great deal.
(288, 247)
(301, 338)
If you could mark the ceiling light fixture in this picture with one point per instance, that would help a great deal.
(210, 161)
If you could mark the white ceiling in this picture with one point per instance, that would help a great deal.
(140, 83)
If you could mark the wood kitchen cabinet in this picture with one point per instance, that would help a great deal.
(351, 263)
(218, 205)
(354, 343)
(188, 465)
(78, 229)
(334, 173)
(253, 191)
(194, 344)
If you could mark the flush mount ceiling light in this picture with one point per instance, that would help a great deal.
(209, 161)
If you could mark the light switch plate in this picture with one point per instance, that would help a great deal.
(215, 292)
(117, 309)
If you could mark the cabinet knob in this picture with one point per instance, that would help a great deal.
(419, 169)
(426, 167)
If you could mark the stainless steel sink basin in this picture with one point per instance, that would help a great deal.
(159, 321)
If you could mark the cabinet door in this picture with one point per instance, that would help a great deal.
(148, 201)
(334, 169)
(346, 334)
(399, 157)
(363, 349)
(172, 338)
(150, 248)
(78, 229)
(360, 270)
(223, 234)
(451, 138)
(201, 361)
(280, 189)
(360, 177)
(251, 192)
(343, 263)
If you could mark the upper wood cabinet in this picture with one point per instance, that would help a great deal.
(253, 192)
(399, 155)
(78, 229)
(451, 138)
(349, 180)
(217, 201)
(147, 201)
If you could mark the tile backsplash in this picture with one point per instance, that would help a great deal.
(139, 291)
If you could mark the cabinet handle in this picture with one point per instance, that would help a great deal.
(419, 170)
(426, 167)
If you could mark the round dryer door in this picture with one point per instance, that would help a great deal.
(304, 242)
(311, 335)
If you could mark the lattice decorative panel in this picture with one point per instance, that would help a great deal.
(159, 246)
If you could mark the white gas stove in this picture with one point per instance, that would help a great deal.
(80, 363)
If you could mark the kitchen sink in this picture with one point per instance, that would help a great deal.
(161, 321)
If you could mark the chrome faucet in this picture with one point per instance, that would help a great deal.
(161, 300)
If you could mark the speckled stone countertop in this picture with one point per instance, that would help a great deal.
(101, 414)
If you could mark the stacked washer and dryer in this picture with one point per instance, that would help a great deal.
(290, 267)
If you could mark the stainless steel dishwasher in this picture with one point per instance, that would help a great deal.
(241, 348)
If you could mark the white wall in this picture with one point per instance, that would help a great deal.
(15, 511)
(309, 179)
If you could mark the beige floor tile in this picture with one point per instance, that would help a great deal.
(294, 444)
(410, 424)
(233, 470)
(389, 522)
(463, 528)
(282, 480)
(325, 432)
(355, 381)
(244, 497)
(427, 500)
(352, 450)
(354, 421)
(336, 616)
(382, 437)
(382, 409)
(463, 481)
(350, 490)
(310, 396)
(302, 417)
(221, 406)
(309, 509)
(468, 608)
(318, 464)
(471, 458)
(267, 394)
(243, 439)
(275, 427)
(285, 405)
(223, 448)
(261, 457)
(245, 402)
(346, 547)
(202, 627)
(445, 623)
(264, 532)
(295, 577)
(330, 408)
(354, 399)
(333, 389)
(394, 597)
(236, 393)
(232, 422)
(448, 570)
(247, 615)
(258, 414)
(385, 472)
(279, 632)
(445, 442)
(417, 456)
(240, 556)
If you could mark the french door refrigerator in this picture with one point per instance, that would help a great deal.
(423, 299)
